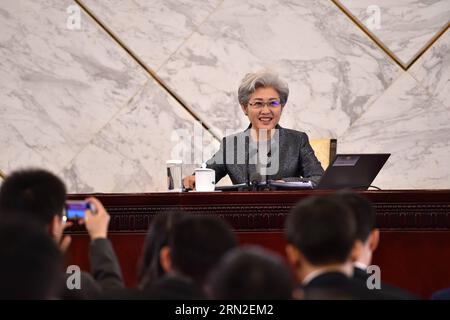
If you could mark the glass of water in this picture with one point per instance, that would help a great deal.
(174, 175)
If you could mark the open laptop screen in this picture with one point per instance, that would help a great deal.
(355, 171)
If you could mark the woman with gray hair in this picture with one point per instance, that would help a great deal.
(264, 151)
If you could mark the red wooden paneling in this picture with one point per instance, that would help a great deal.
(414, 251)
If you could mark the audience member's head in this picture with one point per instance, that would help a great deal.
(320, 233)
(31, 263)
(157, 240)
(34, 195)
(198, 244)
(251, 273)
(367, 236)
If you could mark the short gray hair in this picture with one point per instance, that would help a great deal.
(262, 79)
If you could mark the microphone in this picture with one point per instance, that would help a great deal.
(255, 181)
(247, 171)
(263, 166)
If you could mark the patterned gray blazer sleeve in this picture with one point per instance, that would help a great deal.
(310, 165)
(105, 267)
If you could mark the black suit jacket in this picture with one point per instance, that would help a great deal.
(105, 267)
(106, 274)
(387, 290)
(168, 287)
(443, 294)
(289, 152)
(337, 286)
(174, 287)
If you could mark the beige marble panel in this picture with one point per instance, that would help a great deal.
(407, 122)
(432, 70)
(333, 69)
(403, 26)
(152, 29)
(130, 153)
(58, 86)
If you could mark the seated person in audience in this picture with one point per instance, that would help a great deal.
(31, 263)
(320, 234)
(157, 241)
(196, 246)
(251, 273)
(443, 294)
(367, 238)
(39, 196)
(263, 96)
(104, 265)
(150, 265)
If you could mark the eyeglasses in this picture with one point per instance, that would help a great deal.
(273, 104)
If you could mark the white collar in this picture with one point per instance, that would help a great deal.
(360, 265)
(314, 274)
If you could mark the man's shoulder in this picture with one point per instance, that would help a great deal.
(388, 291)
(360, 274)
(176, 287)
(443, 294)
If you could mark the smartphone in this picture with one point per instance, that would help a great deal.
(76, 210)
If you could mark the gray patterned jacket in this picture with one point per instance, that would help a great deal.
(289, 157)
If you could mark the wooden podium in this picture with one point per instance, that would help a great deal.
(414, 250)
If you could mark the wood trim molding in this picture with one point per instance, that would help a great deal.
(266, 211)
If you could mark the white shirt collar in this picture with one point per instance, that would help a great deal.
(360, 265)
(314, 274)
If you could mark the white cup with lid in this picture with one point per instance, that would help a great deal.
(205, 179)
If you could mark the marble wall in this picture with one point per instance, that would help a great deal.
(72, 100)
(403, 26)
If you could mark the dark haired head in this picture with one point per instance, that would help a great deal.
(322, 229)
(32, 193)
(251, 273)
(31, 263)
(159, 232)
(363, 211)
(197, 245)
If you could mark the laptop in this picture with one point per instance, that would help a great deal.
(353, 171)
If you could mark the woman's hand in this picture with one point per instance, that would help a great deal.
(189, 182)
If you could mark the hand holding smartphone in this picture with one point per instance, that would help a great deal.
(76, 210)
